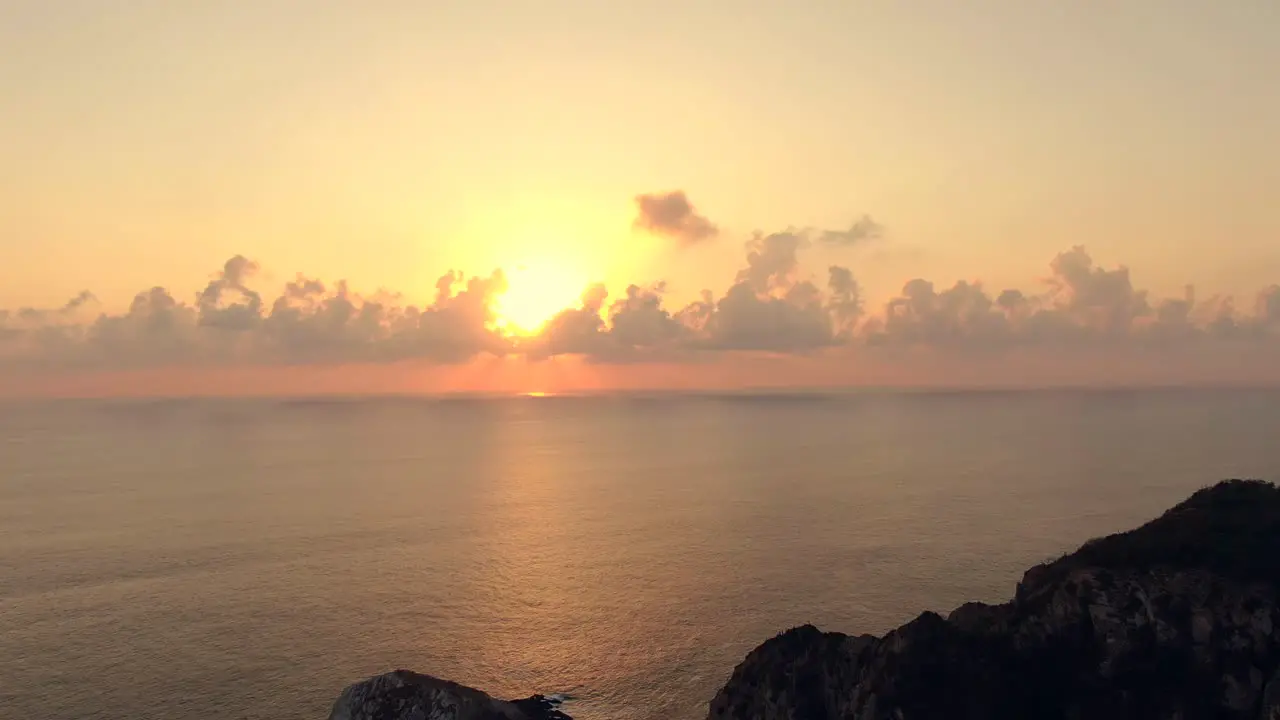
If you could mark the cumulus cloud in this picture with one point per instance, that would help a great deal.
(1103, 300)
(770, 307)
(845, 301)
(227, 323)
(244, 309)
(671, 215)
(575, 331)
(1081, 306)
(961, 314)
(774, 306)
(772, 261)
(638, 321)
(633, 328)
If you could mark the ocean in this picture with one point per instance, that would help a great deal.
(198, 559)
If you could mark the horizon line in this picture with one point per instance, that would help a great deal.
(710, 393)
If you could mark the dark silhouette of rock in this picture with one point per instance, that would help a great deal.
(1176, 619)
(405, 695)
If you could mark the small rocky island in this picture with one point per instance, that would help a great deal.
(1174, 620)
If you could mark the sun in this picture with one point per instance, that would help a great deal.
(535, 293)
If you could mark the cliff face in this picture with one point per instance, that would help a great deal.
(1176, 619)
(404, 695)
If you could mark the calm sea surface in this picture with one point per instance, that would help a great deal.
(247, 559)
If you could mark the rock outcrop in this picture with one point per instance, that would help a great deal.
(404, 695)
(1174, 620)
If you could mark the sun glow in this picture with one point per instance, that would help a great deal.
(535, 293)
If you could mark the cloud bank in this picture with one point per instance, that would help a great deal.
(227, 322)
(774, 307)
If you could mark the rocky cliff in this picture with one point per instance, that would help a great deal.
(404, 695)
(1176, 619)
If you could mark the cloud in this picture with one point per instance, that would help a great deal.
(744, 320)
(1103, 300)
(1268, 307)
(638, 320)
(156, 330)
(308, 323)
(1082, 306)
(774, 307)
(862, 230)
(845, 301)
(82, 299)
(41, 316)
(772, 261)
(637, 329)
(244, 311)
(575, 331)
(671, 215)
(769, 307)
(962, 314)
(455, 328)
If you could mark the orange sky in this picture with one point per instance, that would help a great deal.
(143, 144)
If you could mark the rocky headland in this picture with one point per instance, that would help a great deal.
(1176, 619)
(405, 695)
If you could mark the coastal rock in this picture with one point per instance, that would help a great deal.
(405, 695)
(1177, 619)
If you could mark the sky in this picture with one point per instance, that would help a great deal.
(222, 150)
